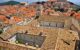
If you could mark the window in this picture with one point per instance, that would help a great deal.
(52, 24)
(60, 25)
(46, 24)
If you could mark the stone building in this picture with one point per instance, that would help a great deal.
(40, 39)
(48, 36)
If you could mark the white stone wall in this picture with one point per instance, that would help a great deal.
(13, 39)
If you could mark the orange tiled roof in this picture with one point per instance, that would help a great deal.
(77, 15)
(66, 14)
(12, 10)
(6, 21)
(27, 12)
(2, 17)
(16, 19)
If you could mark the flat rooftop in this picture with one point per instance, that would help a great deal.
(54, 37)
